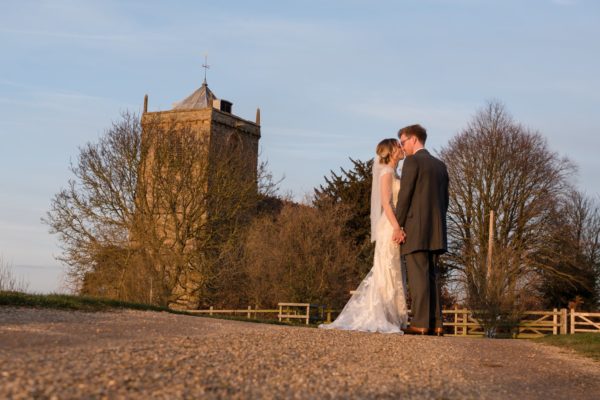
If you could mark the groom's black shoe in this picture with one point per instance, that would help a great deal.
(413, 330)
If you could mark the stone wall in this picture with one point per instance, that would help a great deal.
(222, 132)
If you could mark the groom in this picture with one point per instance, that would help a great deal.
(421, 214)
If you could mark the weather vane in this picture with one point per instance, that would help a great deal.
(205, 66)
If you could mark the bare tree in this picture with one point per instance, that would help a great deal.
(351, 189)
(496, 164)
(94, 215)
(573, 253)
(300, 254)
(150, 212)
(8, 281)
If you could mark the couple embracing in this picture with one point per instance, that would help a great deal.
(408, 226)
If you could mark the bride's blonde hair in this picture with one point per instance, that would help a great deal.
(385, 148)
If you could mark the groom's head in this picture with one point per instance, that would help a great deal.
(412, 138)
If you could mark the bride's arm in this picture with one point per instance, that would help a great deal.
(386, 199)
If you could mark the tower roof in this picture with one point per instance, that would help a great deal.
(201, 98)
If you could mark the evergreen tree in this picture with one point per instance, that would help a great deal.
(351, 189)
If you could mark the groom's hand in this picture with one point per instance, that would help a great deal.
(399, 236)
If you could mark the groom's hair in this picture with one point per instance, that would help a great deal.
(414, 130)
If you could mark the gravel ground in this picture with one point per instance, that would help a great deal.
(136, 354)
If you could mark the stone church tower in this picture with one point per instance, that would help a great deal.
(210, 119)
(206, 115)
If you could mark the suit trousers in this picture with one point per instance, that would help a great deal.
(423, 282)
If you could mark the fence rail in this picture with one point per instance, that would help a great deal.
(457, 321)
(248, 311)
(532, 323)
(585, 321)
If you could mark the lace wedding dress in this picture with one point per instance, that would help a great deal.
(379, 303)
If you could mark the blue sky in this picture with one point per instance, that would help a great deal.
(332, 78)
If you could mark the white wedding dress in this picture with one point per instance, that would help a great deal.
(379, 303)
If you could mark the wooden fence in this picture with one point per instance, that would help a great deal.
(304, 311)
(248, 312)
(457, 321)
(286, 311)
(461, 322)
(585, 321)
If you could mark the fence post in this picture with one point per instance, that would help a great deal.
(307, 313)
(572, 320)
(280, 311)
(249, 315)
(563, 321)
(554, 321)
(455, 319)
(465, 321)
(211, 310)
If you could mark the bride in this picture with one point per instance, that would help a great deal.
(379, 303)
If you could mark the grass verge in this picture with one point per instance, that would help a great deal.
(93, 304)
(587, 344)
(70, 302)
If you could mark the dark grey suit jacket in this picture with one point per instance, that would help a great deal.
(423, 203)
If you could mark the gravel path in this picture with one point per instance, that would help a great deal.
(136, 354)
